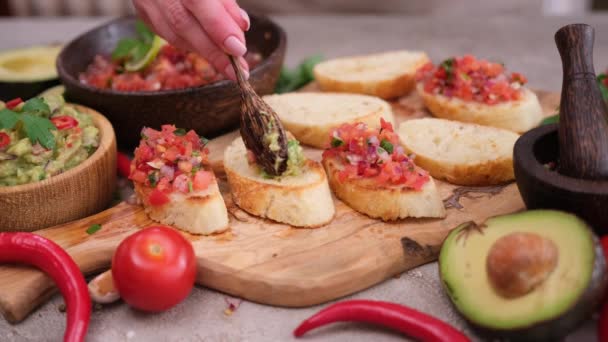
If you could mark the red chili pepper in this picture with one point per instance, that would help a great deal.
(4, 139)
(406, 320)
(602, 324)
(14, 103)
(43, 253)
(123, 164)
(64, 122)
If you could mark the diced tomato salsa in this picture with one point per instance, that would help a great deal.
(471, 79)
(171, 69)
(171, 160)
(375, 154)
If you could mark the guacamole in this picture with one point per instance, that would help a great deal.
(41, 138)
(295, 160)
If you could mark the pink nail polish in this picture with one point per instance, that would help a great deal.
(234, 46)
(245, 17)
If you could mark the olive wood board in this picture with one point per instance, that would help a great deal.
(272, 263)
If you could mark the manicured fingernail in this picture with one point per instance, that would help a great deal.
(245, 17)
(234, 46)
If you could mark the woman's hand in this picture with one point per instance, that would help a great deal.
(211, 28)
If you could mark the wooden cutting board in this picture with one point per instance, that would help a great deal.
(272, 263)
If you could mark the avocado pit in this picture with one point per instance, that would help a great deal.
(519, 262)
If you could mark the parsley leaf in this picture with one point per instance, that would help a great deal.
(448, 66)
(144, 32)
(124, 48)
(39, 130)
(134, 48)
(387, 146)
(8, 119)
(94, 228)
(36, 106)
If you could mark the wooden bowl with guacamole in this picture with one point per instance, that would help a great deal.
(44, 183)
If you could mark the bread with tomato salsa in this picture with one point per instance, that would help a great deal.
(386, 75)
(300, 197)
(174, 182)
(471, 90)
(460, 153)
(370, 172)
(311, 116)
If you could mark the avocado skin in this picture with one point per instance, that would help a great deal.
(24, 90)
(559, 327)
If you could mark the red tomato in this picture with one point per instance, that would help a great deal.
(154, 269)
(202, 179)
(4, 139)
(123, 164)
(158, 197)
(64, 122)
(14, 103)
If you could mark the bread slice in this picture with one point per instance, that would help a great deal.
(460, 153)
(301, 201)
(517, 116)
(387, 202)
(386, 75)
(310, 117)
(199, 212)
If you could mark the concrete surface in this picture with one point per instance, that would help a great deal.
(524, 43)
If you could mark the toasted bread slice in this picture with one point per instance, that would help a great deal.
(387, 202)
(311, 116)
(460, 153)
(517, 116)
(301, 201)
(199, 212)
(386, 75)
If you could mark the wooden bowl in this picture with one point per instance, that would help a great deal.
(210, 110)
(79, 192)
(541, 187)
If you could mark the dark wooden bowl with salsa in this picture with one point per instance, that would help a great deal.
(207, 104)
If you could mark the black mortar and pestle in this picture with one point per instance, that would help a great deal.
(577, 146)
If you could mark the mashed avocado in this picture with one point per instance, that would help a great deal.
(295, 160)
(30, 154)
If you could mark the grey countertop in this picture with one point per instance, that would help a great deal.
(523, 43)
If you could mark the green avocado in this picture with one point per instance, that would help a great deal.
(529, 276)
(26, 72)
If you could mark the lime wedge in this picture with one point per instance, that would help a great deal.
(136, 65)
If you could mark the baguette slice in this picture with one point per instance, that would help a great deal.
(311, 116)
(517, 116)
(387, 202)
(199, 212)
(460, 153)
(386, 75)
(302, 201)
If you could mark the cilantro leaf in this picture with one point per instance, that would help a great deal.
(8, 118)
(387, 146)
(36, 106)
(448, 66)
(180, 132)
(39, 130)
(336, 142)
(124, 48)
(290, 80)
(144, 32)
(94, 228)
(550, 120)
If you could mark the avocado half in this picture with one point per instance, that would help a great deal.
(566, 291)
(26, 72)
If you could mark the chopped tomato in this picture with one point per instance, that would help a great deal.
(5, 139)
(138, 176)
(14, 103)
(202, 179)
(158, 198)
(63, 122)
(471, 79)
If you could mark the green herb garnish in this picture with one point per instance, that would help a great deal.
(190, 188)
(180, 132)
(550, 120)
(603, 88)
(387, 146)
(32, 119)
(290, 80)
(36, 106)
(134, 48)
(336, 142)
(94, 228)
(153, 179)
(448, 66)
(204, 141)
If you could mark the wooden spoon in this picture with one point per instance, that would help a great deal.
(261, 129)
(583, 127)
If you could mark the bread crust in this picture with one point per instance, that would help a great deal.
(202, 212)
(306, 204)
(384, 201)
(517, 116)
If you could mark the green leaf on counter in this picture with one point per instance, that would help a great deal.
(550, 120)
(291, 80)
(94, 228)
